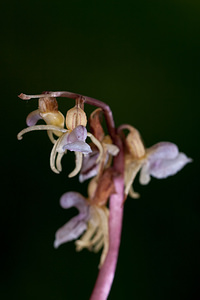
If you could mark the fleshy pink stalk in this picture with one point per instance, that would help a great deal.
(106, 274)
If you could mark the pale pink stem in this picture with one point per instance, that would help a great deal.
(106, 274)
(116, 205)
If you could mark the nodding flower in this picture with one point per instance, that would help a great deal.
(47, 111)
(72, 138)
(91, 224)
(92, 221)
(159, 161)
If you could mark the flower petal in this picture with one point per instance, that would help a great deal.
(130, 173)
(78, 133)
(75, 141)
(112, 149)
(74, 199)
(33, 117)
(165, 168)
(39, 127)
(70, 231)
(78, 160)
(145, 174)
(78, 146)
(89, 167)
(162, 150)
(77, 225)
(163, 160)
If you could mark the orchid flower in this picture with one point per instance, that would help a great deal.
(113, 160)
(159, 161)
(92, 220)
(47, 111)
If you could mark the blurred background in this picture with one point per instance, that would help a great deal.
(142, 58)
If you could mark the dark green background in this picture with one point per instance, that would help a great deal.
(142, 58)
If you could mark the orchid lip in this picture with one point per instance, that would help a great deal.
(78, 146)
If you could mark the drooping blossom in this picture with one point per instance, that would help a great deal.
(47, 111)
(73, 138)
(91, 225)
(159, 161)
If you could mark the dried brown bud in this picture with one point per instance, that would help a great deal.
(48, 104)
(105, 187)
(95, 124)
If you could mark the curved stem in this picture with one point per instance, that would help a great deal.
(106, 109)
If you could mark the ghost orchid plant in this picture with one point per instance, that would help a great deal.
(111, 161)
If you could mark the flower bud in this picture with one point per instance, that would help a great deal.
(75, 117)
(135, 144)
